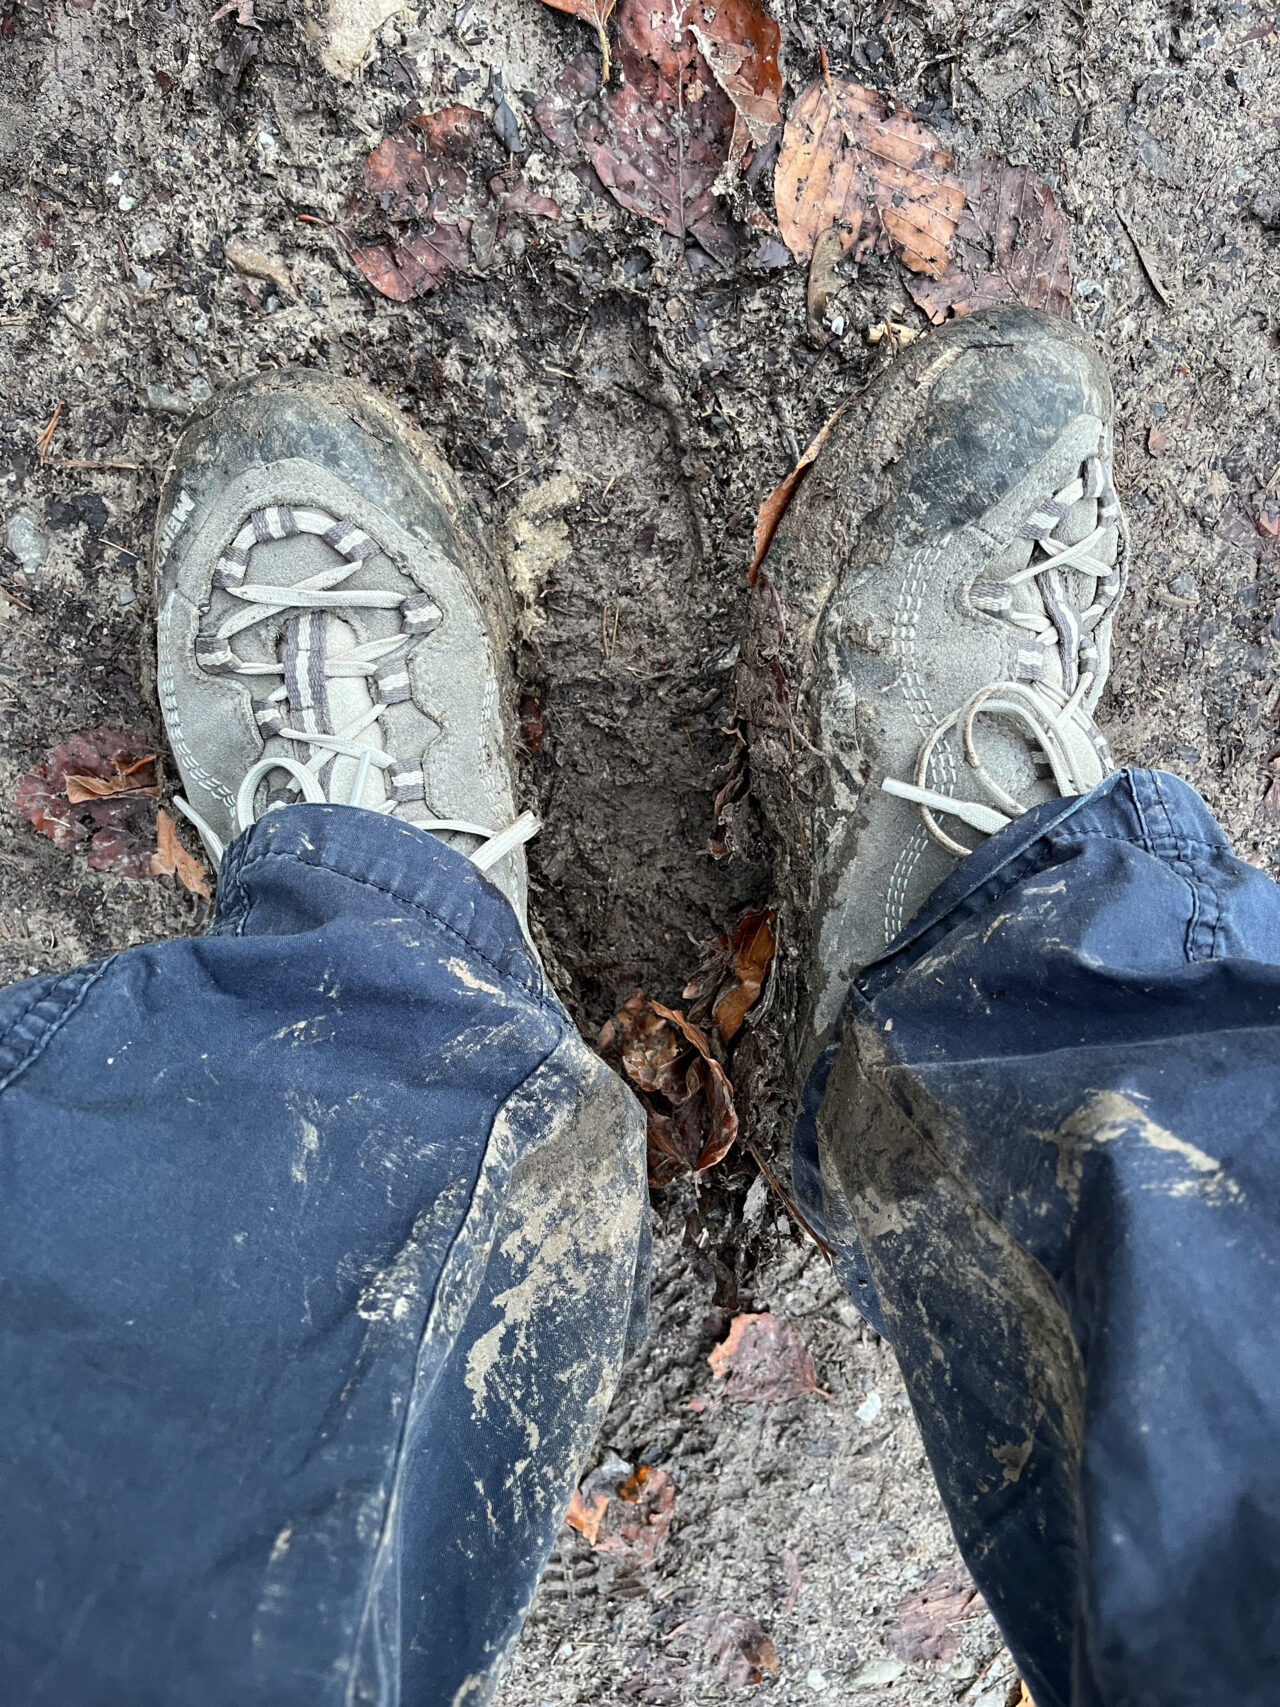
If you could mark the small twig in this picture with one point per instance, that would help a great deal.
(91, 462)
(15, 600)
(313, 219)
(789, 1203)
(1144, 260)
(45, 439)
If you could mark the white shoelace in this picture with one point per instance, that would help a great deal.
(324, 591)
(1052, 718)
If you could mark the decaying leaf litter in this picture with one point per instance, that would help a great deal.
(623, 398)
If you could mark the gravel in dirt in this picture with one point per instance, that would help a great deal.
(618, 401)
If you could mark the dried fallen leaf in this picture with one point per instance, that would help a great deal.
(926, 1625)
(596, 13)
(737, 1650)
(753, 949)
(1011, 245)
(635, 1530)
(685, 1091)
(586, 1514)
(657, 140)
(171, 859)
(513, 195)
(1157, 441)
(423, 191)
(137, 778)
(763, 1360)
(772, 509)
(404, 269)
(719, 1093)
(876, 175)
(740, 43)
(824, 281)
(118, 829)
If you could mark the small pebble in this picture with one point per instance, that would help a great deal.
(816, 1681)
(127, 204)
(878, 1671)
(756, 1202)
(27, 543)
(870, 1408)
(166, 401)
(1185, 585)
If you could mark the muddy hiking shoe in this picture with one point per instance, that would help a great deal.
(931, 632)
(330, 624)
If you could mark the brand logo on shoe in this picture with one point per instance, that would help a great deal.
(174, 523)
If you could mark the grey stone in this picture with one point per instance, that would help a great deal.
(165, 401)
(27, 542)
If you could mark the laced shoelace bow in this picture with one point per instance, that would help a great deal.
(383, 663)
(1050, 716)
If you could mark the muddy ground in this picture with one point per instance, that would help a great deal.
(618, 408)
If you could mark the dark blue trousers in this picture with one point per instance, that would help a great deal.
(1049, 1147)
(320, 1235)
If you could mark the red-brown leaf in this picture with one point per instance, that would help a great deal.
(879, 177)
(172, 859)
(634, 1525)
(686, 1094)
(737, 1650)
(1012, 245)
(740, 42)
(774, 506)
(407, 230)
(763, 1360)
(405, 269)
(657, 140)
(137, 778)
(753, 949)
(926, 1625)
(724, 1119)
(115, 828)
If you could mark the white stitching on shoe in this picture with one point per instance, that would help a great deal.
(903, 639)
(187, 760)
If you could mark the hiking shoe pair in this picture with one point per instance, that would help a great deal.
(930, 631)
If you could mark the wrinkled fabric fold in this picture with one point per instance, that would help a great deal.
(1048, 1145)
(320, 1246)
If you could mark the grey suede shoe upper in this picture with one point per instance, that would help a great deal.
(330, 625)
(967, 510)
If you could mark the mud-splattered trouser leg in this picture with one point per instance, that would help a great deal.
(319, 1242)
(1050, 1143)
